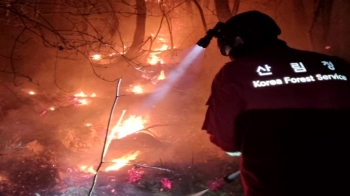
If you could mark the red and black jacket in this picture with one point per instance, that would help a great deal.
(286, 110)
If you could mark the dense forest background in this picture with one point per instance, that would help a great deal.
(63, 62)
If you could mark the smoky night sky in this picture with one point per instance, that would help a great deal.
(64, 63)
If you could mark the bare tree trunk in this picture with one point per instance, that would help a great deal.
(139, 33)
(205, 3)
(235, 7)
(115, 22)
(318, 30)
(201, 14)
(189, 6)
(189, 11)
(222, 10)
(301, 19)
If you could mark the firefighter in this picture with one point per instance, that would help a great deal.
(285, 110)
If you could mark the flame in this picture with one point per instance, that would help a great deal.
(137, 89)
(81, 94)
(154, 59)
(83, 101)
(111, 135)
(124, 49)
(129, 126)
(84, 168)
(163, 48)
(31, 92)
(161, 75)
(161, 39)
(121, 162)
(96, 57)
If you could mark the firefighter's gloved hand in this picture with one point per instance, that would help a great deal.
(216, 185)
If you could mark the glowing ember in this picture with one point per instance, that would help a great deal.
(96, 57)
(164, 47)
(88, 170)
(134, 175)
(81, 94)
(137, 89)
(166, 183)
(31, 92)
(328, 47)
(43, 113)
(88, 124)
(129, 126)
(82, 101)
(121, 162)
(52, 108)
(161, 75)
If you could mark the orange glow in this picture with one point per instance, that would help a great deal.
(52, 108)
(137, 89)
(86, 169)
(96, 57)
(121, 162)
(31, 92)
(161, 75)
(129, 126)
(93, 95)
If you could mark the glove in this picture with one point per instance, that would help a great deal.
(216, 185)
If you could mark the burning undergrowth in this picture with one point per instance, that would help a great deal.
(146, 153)
(39, 175)
(138, 170)
(27, 172)
(81, 138)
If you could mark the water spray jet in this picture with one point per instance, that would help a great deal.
(173, 77)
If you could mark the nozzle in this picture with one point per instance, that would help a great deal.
(205, 41)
